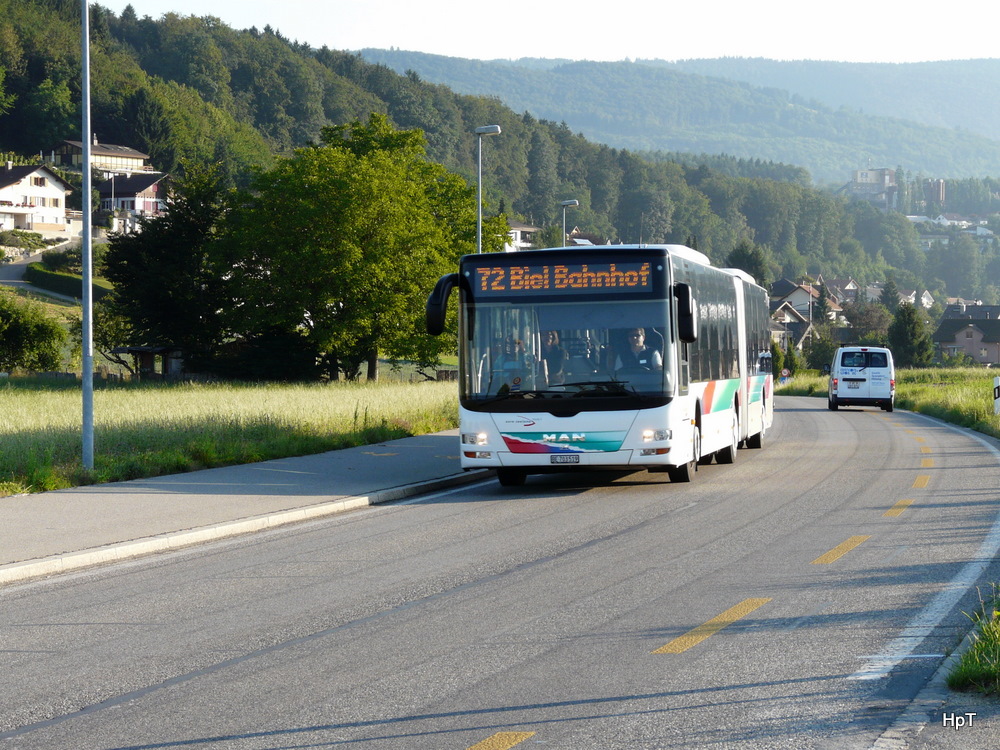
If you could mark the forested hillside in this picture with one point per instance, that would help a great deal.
(704, 107)
(192, 90)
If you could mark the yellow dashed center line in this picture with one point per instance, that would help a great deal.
(925, 449)
(697, 635)
(840, 550)
(926, 463)
(502, 741)
(921, 482)
(898, 508)
(919, 440)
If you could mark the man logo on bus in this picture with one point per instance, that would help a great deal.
(576, 437)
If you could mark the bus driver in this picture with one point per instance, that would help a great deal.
(638, 355)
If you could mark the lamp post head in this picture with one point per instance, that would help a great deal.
(488, 130)
(567, 204)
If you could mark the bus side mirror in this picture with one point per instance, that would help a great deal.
(687, 313)
(437, 303)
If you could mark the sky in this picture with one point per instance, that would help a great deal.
(850, 31)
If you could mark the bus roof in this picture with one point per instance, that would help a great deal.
(682, 251)
(740, 273)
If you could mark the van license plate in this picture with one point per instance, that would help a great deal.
(564, 459)
(853, 385)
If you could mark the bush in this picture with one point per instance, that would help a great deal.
(28, 337)
(20, 239)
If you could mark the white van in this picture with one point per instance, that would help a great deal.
(862, 376)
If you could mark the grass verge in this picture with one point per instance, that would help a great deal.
(148, 430)
(977, 668)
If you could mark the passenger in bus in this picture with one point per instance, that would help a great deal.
(554, 357)
(637, 354)
(511, 354)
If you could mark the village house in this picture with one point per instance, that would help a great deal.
(970, 329)
(107, 158)
(804, 299)
(32, 198)
(131, 197)
(520, 237)
(789, 327)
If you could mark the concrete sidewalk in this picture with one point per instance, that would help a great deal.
(54, 532)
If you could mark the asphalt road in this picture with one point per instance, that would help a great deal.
(797, 599)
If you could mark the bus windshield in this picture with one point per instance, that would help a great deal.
(569, 349)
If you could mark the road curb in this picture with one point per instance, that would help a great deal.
(26, 570)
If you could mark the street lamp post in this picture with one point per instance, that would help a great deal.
(480, 132)
(565, 205)
(87, 258)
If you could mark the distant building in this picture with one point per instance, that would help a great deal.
(877, 186)
(141, 194)
(520, 237)
(970, 329)
(32, 198)
(107, 158)
(789, 327)
(934, 191)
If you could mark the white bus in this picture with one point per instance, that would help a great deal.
(618, 357)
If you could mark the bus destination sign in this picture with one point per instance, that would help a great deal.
(561, 278)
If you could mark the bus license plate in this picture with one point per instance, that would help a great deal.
(564, 459)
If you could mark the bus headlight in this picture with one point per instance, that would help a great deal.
(477, 438)
(649, 436)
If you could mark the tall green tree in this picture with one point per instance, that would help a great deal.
(754, 259)
(889, 298)
(166, 286)
(870, 320)
(909, 339)
(341, 244)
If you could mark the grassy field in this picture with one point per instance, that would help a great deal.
(960, 396)
(147, 430)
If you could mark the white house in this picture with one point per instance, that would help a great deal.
(32, 198)
(520, 237)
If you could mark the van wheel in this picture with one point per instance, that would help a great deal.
(887, 407)
(511, 477)
(728, 454)
(831, 403)
(686, 472)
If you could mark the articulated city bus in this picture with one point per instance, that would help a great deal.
(617, 357)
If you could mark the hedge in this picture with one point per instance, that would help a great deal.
(68, 284)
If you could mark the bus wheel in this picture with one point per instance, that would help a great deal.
(756, 441)
(686, 472)
(511, 477)
(728, 454)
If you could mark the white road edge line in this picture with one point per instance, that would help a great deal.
(931, 616)
(918, 714)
